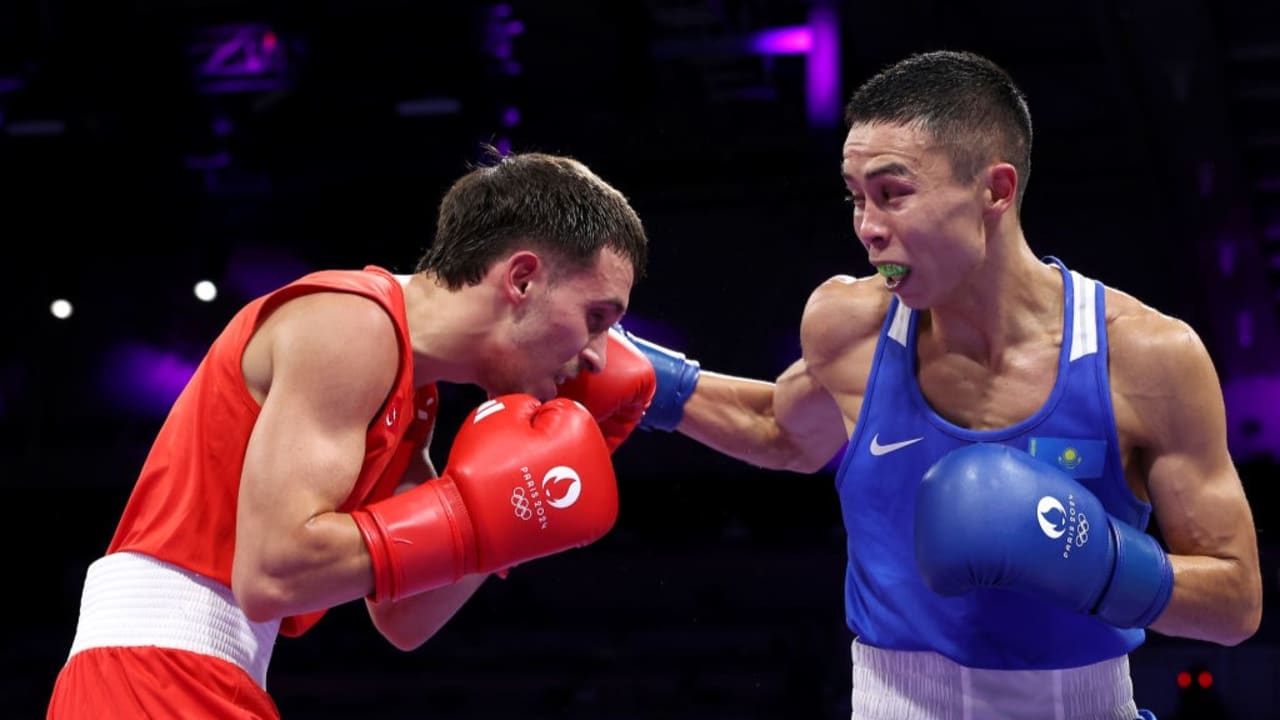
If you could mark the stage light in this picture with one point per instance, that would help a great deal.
(206, 291)
(61, 309)
(239, 58)
(783, 41)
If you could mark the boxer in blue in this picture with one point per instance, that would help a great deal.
(1011, 427)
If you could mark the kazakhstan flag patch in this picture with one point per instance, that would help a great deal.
(1077, 457)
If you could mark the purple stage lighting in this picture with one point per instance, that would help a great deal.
(144, 380)
(654, 331)
(221, 126)
(500, 30)
(254, 271)
(822, 73)
(499, 34)
(819, 41)
(239, 58)
(1253, 416)
(208, 163)
(1244, 329)
(796, 40)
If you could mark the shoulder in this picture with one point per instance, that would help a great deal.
(335, 330)
(843, 312)
(1144, 338)
(372, 281)
(1159, 366)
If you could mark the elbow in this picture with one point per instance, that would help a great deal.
(261, 599)
(809, 453)
(807, 462)
(1244, 623)
(262, 607)
(404, 644)
(403, 637)
(405, 632)
(792, 456)
(1247, 623)
(1237, 634)
(805, 465)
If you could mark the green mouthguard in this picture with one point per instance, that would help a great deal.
(890, 270)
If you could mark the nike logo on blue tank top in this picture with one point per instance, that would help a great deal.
(878, 449)
(886, 603)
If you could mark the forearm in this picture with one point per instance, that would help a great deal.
(319, 565)
(1214, 599)
(735, 416)
(410, 622)
(790, 424)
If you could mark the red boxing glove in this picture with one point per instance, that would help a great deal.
(619, 395)
(524, 480)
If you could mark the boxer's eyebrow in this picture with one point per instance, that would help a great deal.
(615, 304)
(894, 169)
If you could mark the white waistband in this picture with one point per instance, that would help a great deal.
(133, 600)
(927, 686)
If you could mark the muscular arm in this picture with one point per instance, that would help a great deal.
(737, 416)
(1171, 392)
(796, 422)
(323, 365)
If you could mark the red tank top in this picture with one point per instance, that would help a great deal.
(183, 508)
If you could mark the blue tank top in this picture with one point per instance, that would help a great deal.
(898, 436)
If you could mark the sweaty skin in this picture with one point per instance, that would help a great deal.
(989, 338)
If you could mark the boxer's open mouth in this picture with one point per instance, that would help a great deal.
(893, 274)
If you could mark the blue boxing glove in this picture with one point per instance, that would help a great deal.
(677, 377)
(988, 515)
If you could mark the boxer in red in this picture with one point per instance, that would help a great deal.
(292, 473)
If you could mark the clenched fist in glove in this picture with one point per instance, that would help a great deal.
(524, 480)
(618, 395)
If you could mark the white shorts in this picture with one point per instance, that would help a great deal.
(900, 685)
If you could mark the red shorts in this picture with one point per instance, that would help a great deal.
(129, 683)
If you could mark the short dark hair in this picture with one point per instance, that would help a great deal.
(551, 202)
(967, 103)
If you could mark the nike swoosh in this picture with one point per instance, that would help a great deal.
(878, 449)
